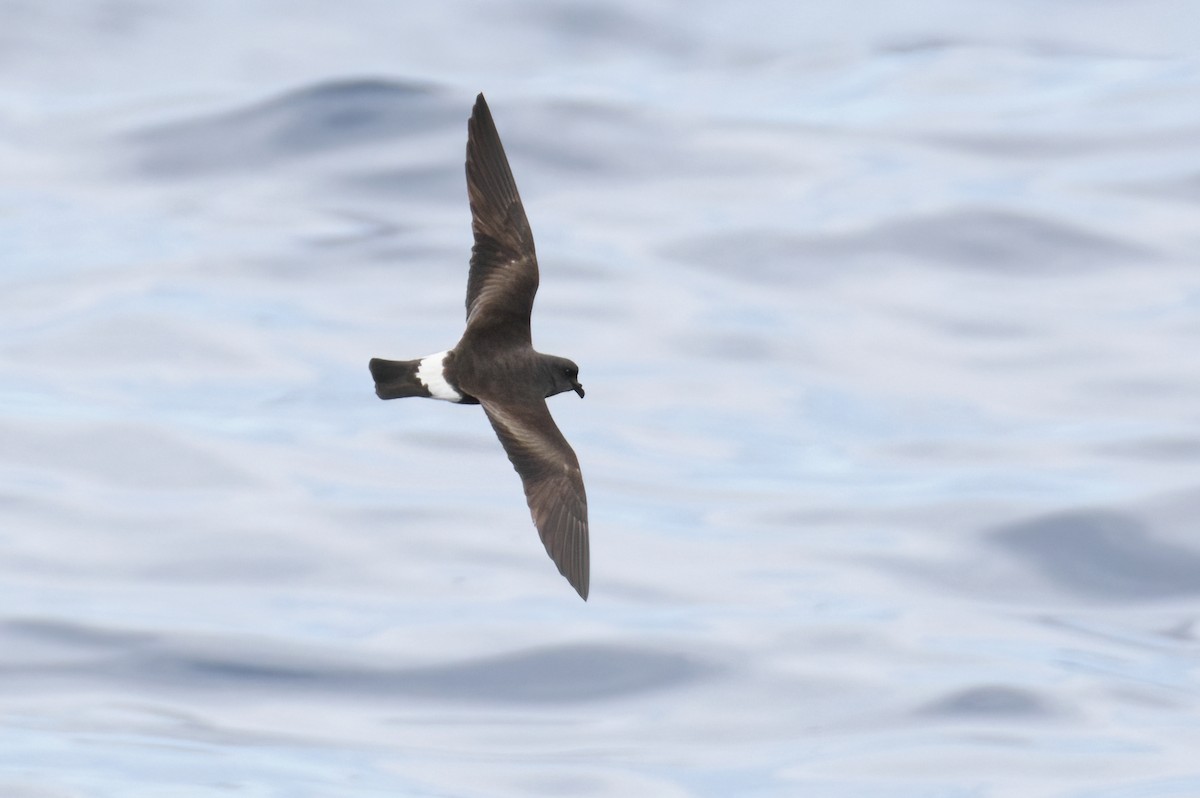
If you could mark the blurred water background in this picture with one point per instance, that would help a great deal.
(889, 318)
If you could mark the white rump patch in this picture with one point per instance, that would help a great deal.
(429, 372)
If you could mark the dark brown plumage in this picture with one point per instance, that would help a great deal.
(494, 362)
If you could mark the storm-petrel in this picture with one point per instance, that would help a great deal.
(494, 363)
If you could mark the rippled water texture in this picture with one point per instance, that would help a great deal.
(889, 319)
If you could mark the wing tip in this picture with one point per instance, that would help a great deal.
(480, 113)
(575, 567)
(491, 188)
(576, 574)
(572, 559)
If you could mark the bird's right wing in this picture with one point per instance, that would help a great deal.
(553, 483)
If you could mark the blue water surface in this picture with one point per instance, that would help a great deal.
(889, 319)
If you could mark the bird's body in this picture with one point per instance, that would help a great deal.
(495, 365)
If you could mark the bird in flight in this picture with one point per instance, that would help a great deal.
(494, 363)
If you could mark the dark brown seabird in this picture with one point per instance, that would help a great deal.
(494, 363)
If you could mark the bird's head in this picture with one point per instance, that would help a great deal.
(564, 376)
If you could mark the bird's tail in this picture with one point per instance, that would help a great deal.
(395, 379)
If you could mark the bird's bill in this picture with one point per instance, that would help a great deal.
(578, 389)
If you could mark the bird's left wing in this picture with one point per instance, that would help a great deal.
(504, 272)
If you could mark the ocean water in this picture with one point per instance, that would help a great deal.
(889, 319)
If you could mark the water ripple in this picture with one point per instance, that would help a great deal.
(1104, 554)
(77, 654)
(326, 117)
